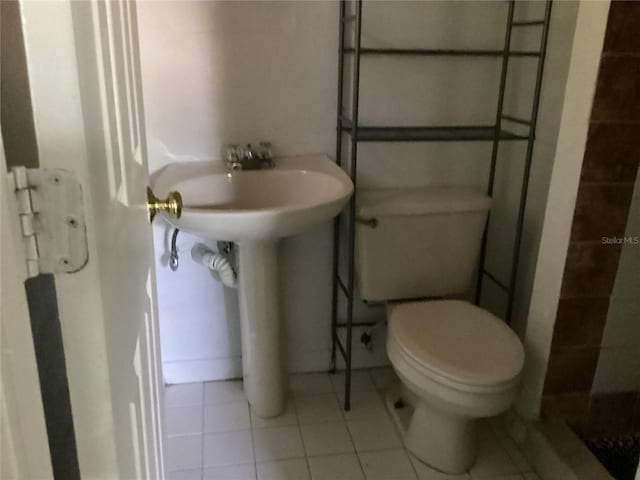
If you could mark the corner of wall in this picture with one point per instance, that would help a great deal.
(580, 88)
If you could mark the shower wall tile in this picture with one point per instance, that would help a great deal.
(590, 269)
(611, 413)
(617, 93)
(572, 407)
(601, 211)
(622, 28)
(612, 153)
(580, 321)
(595, 358)
(596, 415)
(571, 370)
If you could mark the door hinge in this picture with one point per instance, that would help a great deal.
(51, 213)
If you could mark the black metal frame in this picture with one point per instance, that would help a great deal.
(358, 133)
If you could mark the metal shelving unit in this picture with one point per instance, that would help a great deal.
(455, 133)
(348, 124)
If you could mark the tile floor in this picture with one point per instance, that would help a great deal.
(212, 435)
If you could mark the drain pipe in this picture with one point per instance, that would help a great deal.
(173, 256)
(217, 263)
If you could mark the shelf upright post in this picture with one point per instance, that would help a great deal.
(496, 139)
(529, 155)
(336, 222)
(355, 94)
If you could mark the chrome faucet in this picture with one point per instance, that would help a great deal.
(233, 155)
(266, 157)
(246, 158)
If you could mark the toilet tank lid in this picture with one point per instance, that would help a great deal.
(421, 201)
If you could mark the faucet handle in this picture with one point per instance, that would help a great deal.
(231, 152)
(248, 152)
(265, 150)
(234, 155)
(266, 156)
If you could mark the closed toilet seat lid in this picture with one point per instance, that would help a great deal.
(457, 340)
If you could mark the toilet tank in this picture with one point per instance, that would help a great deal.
(422, 242)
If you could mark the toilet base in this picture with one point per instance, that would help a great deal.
(442, 441)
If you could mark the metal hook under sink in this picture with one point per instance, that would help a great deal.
(173, 256)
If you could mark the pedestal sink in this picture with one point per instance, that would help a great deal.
(255, 209)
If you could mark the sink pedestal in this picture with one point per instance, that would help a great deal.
(255, 208)
(265, 379)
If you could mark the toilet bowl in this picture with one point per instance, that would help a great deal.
(457, 363)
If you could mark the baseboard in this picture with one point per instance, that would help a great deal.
(213, 369)
(205, 370)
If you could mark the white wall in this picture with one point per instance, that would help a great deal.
(558, 60)
(510, 168)
(423, 91)
(220, 72)
(618, 367)
(560, 202)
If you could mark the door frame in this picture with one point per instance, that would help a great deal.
(25, 445)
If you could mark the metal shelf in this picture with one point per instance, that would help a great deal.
(442, 52)
(528, 23)
(464, 133)
(356, 133)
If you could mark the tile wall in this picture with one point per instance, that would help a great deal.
(592, 377)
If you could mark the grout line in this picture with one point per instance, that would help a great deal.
(355, 449)
(382, 395)
(614, 122)
(607, 183)
(200, 359)
(493, 431)
(343, 413)
(413, 466)
(304, 447)
(253, 446)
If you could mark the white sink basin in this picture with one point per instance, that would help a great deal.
(255, 205)
(255, 209)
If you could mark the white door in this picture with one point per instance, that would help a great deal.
(85, 84)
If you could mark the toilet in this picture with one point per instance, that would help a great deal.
(456, 362)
